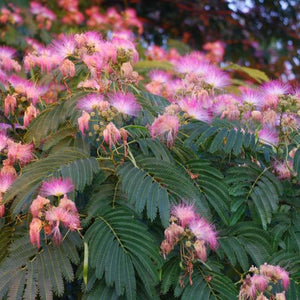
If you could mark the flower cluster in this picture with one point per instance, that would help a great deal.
(193, 234)
(49, 217)
(261, 283)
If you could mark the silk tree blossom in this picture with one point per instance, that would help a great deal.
(6, 59)
(10, 103)
(125, 103)
(6, 180)
(127, 47)
(184, 213)
(165, 125)
(93, 102)
(111, 135)
(265, 280)
(193, 107)
(283, 169)
(67, 68)
(83, 122)
(35, 228)
(37, 205)
(3, 141)
(252, 97)
(30, 114)
(19, 152)
(216, 78)
(65, 46)
(277, 273)
(268, 136)
(27, 88)
(204, 231)
(57, 187)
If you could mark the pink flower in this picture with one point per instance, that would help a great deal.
(6, 180)
(200, 249)
(160, 76)
(165, 124)
(268, 136)
(253, 97)
(65, 46)
(17, 151)
(125, 103)
(93, 101)
(56, 234)
(184, 213)
(172, 233)
(260, 282)
(30, 114)
(216, 78)
(127, 46)
(10, 104)
(67, 204)
(34, 231)
(275, 272)
(37, 205)
(111, 135)
(3, 141)
(57, 187)
(194, 108)
(67, 68)
(282, 170)
(166, 248)
(204, 231)
(83, 122)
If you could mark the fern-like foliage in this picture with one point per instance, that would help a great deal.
(222, 136)
(121, 248)
(256, 188)
(27, 272)
(153, 183)
(245, 241)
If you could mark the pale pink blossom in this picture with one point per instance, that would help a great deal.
(283, 170)
(200, 249)
(184, 213)
(83, 122)
(268, 136)
(30, 114)
(67, 204)
(111, 135)
(35, 228)
(275, 272)
(125, 103)
(3, 141)
(194, 108)
(37, 205)
(204, 231)
(57, 187)
(165, 124)
(10, 103)
(260, 282)
(67, 68)
(172, 233)
(166, 247)
(93, 101)
(18, 151)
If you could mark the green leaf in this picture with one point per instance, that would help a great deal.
(257, 75)
(153, 64)
(27, 272)
(120, 247)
